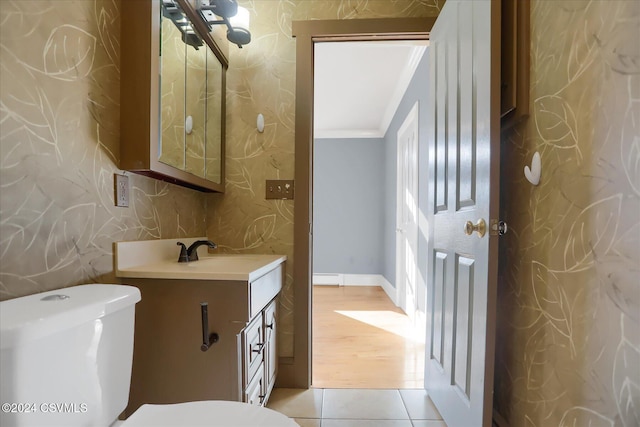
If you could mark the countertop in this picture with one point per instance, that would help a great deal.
(215, 267)
(158, 260)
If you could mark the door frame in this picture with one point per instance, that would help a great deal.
(296, 371)
(410, 122)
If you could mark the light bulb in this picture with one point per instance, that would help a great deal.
(240, 19)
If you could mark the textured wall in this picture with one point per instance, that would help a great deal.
(569, 338)
(261, 79)
(59, 147)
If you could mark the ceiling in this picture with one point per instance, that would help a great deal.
(359, 85)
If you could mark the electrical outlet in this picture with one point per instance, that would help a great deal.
(122, 190)
(279, 189)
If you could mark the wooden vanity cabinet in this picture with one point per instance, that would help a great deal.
(168, 363)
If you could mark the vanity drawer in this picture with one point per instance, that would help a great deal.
(253, 337)
(264, 289)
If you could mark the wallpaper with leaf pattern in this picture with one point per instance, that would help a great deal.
(261, 79)
(568, 349)
(59, 146)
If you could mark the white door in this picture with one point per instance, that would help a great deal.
(407, 213)
(464, 188)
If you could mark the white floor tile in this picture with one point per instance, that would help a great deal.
(366, 423)
(363, 404)
(419, 405)
(428, 423)
(307, 422)
(297, 403)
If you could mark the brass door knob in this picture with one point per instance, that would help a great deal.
(480, 227)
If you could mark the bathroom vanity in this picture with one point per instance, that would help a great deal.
(183, 354)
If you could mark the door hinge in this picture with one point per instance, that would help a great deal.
(498, 228)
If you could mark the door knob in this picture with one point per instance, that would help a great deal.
(480, 227)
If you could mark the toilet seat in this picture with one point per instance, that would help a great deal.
(209, 413)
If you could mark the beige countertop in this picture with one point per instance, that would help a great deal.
(158, 259)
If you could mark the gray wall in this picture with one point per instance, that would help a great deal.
(416, 91)
(348, 200)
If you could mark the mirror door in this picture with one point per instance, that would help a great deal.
(195, 108)
(192, 97)
(173, 53)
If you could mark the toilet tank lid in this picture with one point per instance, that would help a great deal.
(35, 316)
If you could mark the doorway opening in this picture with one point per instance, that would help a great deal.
(307, 34)
(365, 214)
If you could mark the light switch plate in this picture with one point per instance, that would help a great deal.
(121, 183)
(279, 189)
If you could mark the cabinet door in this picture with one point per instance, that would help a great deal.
(254, 393)
(253, 338)
(271, 349)
(171, 148)
(195, 109)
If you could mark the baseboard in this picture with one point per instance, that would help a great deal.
(390, 290)
(338, 279)
(328, 279)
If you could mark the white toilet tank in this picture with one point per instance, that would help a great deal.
(66, 356)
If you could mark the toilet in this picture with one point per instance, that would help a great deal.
(66, 358)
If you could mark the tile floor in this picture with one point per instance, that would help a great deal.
(318, 407)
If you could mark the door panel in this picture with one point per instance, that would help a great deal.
(438, 307)
(464, 171)
(463, 327)
(439, 87)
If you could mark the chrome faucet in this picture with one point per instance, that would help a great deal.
(191, 253)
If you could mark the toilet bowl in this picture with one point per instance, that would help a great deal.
(66, 358)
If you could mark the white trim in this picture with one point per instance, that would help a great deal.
(348, 133)
(404, 79)
(390, 290)
(357, 280)
(362, 279)
(330, 279)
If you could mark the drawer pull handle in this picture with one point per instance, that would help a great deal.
(270, 326)
(259, 348)
(207, 339)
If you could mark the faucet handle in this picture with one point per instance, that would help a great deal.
(183, 253)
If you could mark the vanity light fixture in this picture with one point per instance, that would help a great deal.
(171, 10)
(235, 17)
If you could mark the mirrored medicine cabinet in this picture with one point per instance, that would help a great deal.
(173, 80)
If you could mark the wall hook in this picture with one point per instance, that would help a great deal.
(260, 123)
(533, 174)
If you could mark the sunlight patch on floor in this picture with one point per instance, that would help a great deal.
(389, 321)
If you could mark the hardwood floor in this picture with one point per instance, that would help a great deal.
(362, 340)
